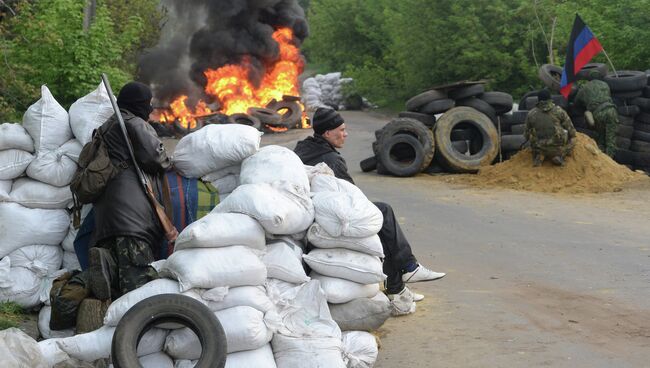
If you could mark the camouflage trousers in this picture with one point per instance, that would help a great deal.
(132, 256)
(550, 148)
(606, 120)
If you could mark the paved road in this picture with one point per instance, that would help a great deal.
(534, 280)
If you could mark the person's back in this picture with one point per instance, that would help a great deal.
(549, 131)
(593, 94)
(595, 97)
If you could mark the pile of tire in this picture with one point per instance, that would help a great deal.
(277, 116)
(452, 130)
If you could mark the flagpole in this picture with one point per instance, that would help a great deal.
(610, 62)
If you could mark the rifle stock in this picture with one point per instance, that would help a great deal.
(170, 230)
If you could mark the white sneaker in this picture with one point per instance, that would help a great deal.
(402, 303)
(422, 273)
(417, 297)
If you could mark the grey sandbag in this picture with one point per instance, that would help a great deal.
(361, 314)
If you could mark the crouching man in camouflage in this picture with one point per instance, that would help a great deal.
(549, 131)
(596, 98)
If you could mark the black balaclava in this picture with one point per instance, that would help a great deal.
(544, 95)
(136, 98)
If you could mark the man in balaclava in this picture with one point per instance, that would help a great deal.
(549, 131)
(126, 227)
(400, 264)
(596, 98)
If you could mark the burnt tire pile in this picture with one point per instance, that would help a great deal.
(462, 139)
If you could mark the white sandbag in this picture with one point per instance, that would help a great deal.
(70, 261)
(362, 314)
(44, 316)
(244, 327)
(52, 167)
(72, 149)
(18, 349)
(273, 163)
(68, 241)
(258, 358)
(347, 214)
(20, 226)
(215, 147)
(23, 287)
(119, 307)
(156, 360)
(346, 264)
(36, 194)
(328, 183)
(321, 239)
(47, 122)
(281, 208)
(281, 292)
(226, 184)
(339, 290)
(283, 263)
(52, 352)
(222, 173)
(89, 346)
(307, 352)
(5, 189)
(14, 136)
(213, 267)
(320, 168)
(222, 230)
(152, 341)
(360, 349)
(89, 112)
(43, 260)
(13, 163)
(252, 296)
(185, 363)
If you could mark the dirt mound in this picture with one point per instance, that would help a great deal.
(587, 170)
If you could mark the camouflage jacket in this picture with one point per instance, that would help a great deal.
(547, 124)
(593, 94)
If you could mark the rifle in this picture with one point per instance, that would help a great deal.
(170, 231)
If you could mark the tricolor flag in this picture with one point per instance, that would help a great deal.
(583, 46)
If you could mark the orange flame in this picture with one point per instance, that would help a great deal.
(236, 92)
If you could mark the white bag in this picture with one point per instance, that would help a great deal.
(119, 307)
(222, 230)
(43, 260)
(24, 287)
(14, 136)
(47, 122)
(360, 349)
(281, 208)
(222, 173)
(20, 226)
(339, 290)
(156, 360)
(36, 194)
(5, 189)
(258, 358)
(71, 261)
(362, 314)
(72, 149)
(89, 346)
(44, 316)
(52, 167)
(283, 263)
(328, 183)
(212, 267)
(215, 147)
(321, 239)
(252, 296)
(68, 241)
(18, 349)
(319, 169)
(13, 163)
(90, 112)
(307, 352)
(346, 264)
(274, 163)
(244, 327)
(226, 184)
(347, 214)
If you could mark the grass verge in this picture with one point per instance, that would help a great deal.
(11, 314)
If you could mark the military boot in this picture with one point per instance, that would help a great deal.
(102, 271)
(537, 160)
(558, 161)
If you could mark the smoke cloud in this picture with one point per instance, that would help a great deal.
(201, 34)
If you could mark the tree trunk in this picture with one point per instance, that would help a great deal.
(89, 14)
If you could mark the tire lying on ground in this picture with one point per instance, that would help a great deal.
(169, 308)
(510, 143)
(289, 111)
(410, 127)
(368, 164)
(455, 160)
(626, 80)
(266, 116)
(245, 119)
(426, 119)
(402, 155)
(501, 102)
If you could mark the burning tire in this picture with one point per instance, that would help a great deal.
(483, 149)
(245, 119)
(289, 111)
(410, 127)
(402, 155)
(187, 130)
(265, 116)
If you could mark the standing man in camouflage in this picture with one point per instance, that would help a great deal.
(549, 131)
(596, 98)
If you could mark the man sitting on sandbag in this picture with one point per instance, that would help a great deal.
(400, 265)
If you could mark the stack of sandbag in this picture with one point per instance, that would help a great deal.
(324, 90)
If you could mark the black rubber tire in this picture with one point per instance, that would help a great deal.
(627, 95)
(622, 143)
(642, 102)
(214, 118)
(510, 143)
(426, 119)
(165, 308)
(643, 117)
(460, 146)
(642, 159)
(624, 157)
(506, 121)
(524, 98)
(642, 136)
(181, 130)
(519, 117)
(393, 159)
(518, 129)
(245, 119)
(411, 127)
(368, 164)
(625, 120)
(550, 75)
(646, 91)
(628, 110)
(417, 101)
(588, 132)
(579, 122)
(479, 105)
(438, 106)
(266, 116)
(627, 80)
(290, 113)
(559, 100)
(378, 133)
(458, 134)
(501, 102)
(583, 74)
(453, 159)
(642, 127)
(290, 98)
(625, 131)
(640, 146)
(464, 92)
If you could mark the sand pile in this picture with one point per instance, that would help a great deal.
(587, 170)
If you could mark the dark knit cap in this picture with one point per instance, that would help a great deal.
(325, 119)
(136, 98)
(544, 95)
